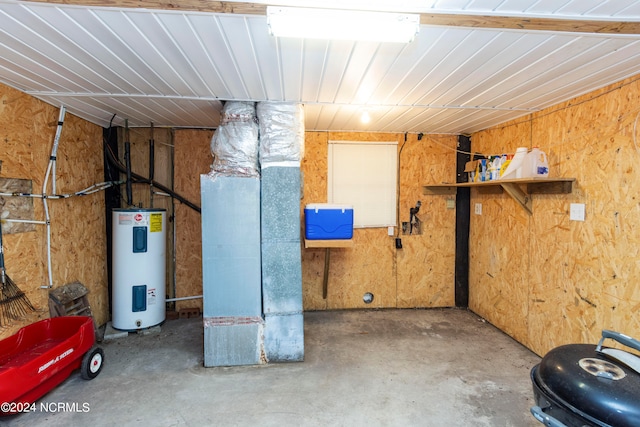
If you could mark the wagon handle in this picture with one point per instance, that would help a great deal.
(621, 338)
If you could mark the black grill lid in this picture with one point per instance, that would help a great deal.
(594, 385)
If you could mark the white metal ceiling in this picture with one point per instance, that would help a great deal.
(174, 68)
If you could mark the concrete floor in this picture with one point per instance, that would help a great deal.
(438, 367)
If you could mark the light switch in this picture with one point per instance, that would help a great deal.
(576, 212)
(390, 231)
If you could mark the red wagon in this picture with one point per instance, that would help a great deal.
(42, 355)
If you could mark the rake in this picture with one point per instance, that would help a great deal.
(14, 304)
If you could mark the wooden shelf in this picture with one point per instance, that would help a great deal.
(513, 187)
(338, 243)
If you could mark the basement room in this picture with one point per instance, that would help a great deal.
(320, 213)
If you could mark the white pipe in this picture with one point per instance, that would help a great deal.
(160, 193)
(48, 224)
(36, 196)
(47, 221)
(53, 177)
(183, 298)
(95, 188)
(24, 221)
(51, 166)
(89, 190)
(46, 178)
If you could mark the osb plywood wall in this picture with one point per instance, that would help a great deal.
(420, 274)
(192, 148)
(425, 265)
(78, 244)
(547, 280)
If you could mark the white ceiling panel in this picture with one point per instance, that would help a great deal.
(288, 62)
(242, 50)
(176, 68)
(268, 71)
(216, 59)
(314, 64)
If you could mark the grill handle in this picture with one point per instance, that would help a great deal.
(545, 418)
(621, 338)
(630, 360)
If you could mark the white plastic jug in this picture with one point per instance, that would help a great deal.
(514, 169)
(535, 164)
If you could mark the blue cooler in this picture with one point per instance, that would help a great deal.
(324, 221)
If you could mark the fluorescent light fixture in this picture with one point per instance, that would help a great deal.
(336, 24)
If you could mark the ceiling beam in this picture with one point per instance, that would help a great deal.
(536, 24)
(186, 5)
(453, 20)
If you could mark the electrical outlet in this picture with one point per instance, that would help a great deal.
(478, 209)
(390, 231)
(577, 212)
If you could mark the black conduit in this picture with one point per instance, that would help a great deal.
(127, 161)
(151, 155)
(151, 165)
(139, 179)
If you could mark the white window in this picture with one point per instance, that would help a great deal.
(364, 175)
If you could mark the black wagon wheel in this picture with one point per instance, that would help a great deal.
(92, 363)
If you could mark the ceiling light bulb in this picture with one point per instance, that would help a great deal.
(365, 117)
